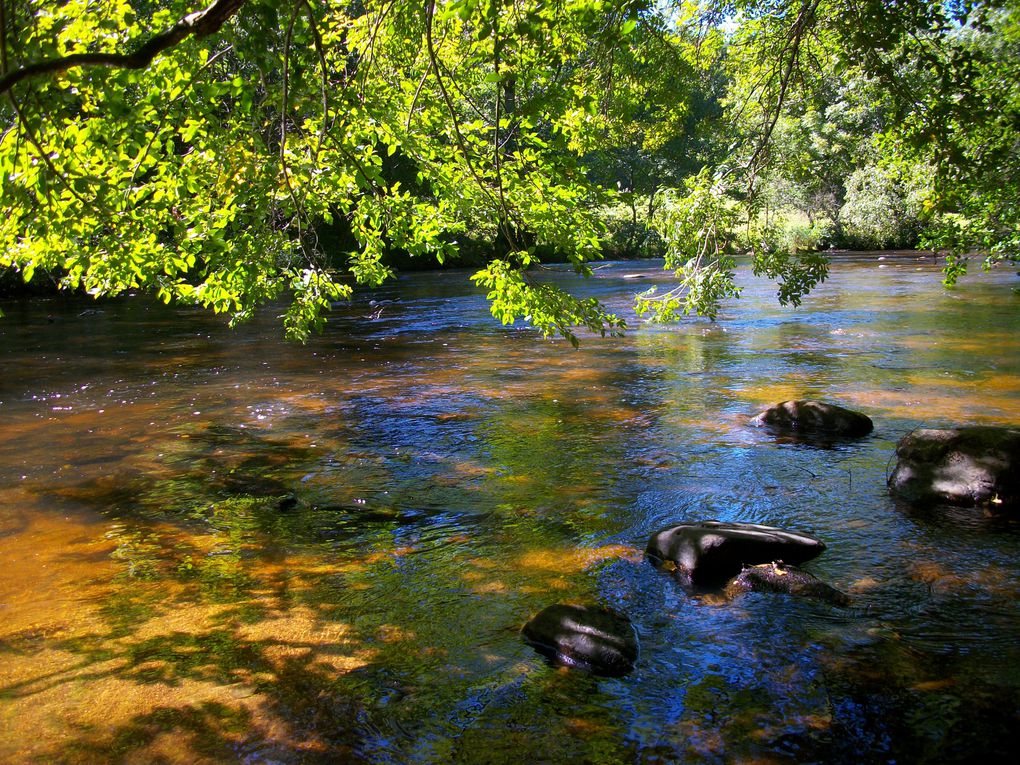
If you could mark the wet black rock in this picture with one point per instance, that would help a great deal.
(593, 638)
(977, 465)
(814, 418)
(788, 580)
(707, 553)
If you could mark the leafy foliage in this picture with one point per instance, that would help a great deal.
(206, 175)
(698, 231)
(206, 171)
(877, 210)
(547, 308)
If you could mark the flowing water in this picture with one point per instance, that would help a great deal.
(220, 547)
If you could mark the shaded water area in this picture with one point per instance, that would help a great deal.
(219, 547)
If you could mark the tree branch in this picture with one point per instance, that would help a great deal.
(430, 11)
(323, 79)
(299, 211)
(3, 39)
(200, 24)
(792, 48)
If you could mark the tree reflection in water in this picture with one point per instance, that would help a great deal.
(226, 549)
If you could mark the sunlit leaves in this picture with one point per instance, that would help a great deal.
(313, 291)
(796, 273)
(209, 176)
(699, 231)
(514, 295)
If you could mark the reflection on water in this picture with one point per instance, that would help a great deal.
(219, 547)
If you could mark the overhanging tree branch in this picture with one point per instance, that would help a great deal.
(3, 38)
(791, 50)
(200, 24)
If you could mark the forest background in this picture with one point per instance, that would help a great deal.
(232, 154)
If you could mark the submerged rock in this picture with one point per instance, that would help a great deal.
(789, 580)
(814, 418)
(708, 553)
(977, 465)
(594, 638)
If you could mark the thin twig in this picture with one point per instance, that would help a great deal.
(199, 24)
(284, 94)
(414, 101)
(320, 52)
(430, 10)
(366, 62)
(792, 47)
(496, 150)
(43, 155)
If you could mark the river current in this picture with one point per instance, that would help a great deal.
(217, 546)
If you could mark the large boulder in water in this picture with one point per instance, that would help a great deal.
(788, 580)
(708, 553)
(814, 418)
(594, 638)
(977, 465)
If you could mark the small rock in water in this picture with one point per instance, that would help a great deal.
(814, 417)
(977, 465)
(593, 638)
(789, 580)
(707, 553)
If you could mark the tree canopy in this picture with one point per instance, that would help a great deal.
(203, 152)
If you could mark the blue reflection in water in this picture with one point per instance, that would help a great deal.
(451, 477)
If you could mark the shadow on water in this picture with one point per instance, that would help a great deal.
(324, 618)
(232, 550)
(286, 584)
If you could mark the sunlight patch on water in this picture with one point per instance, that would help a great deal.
(345, 578)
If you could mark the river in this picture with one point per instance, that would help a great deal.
(221, 547)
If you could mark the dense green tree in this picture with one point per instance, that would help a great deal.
(922, 126)
(200, 152)
(201, 160)
(659, 109)
(966, 128)
(892, 119)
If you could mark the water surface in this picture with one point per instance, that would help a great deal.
(219, 547)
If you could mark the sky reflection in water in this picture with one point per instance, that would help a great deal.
(164, 598)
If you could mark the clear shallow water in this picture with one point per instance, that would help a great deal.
(452, 478)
